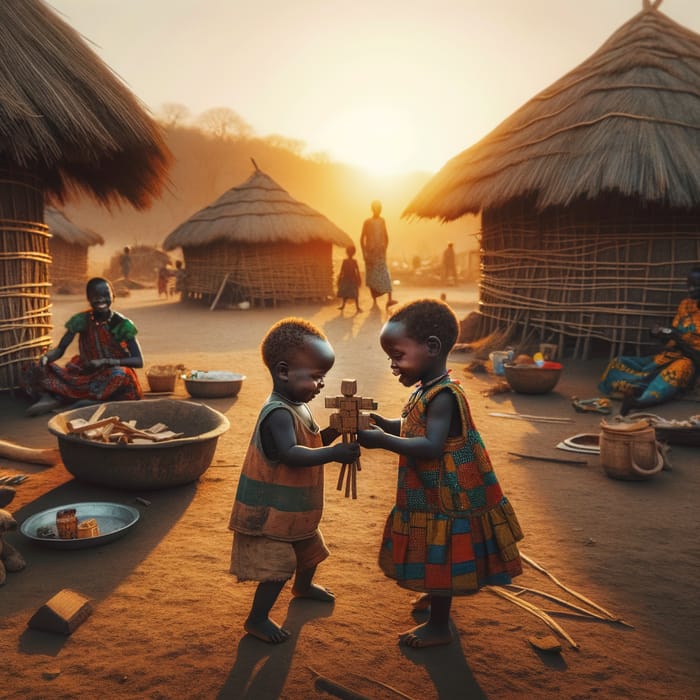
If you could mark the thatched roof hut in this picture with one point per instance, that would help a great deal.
(266, 246)
(67, 124)
(589, 193)
(68, 246)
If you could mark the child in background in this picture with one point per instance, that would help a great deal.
(349, 279)
(451, 530)
(279, 500)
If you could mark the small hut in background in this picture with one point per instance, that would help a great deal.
(260, 244)
(69, 246)
(589, 194)
(67, 124)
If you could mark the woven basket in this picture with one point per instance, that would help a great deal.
(162, 378)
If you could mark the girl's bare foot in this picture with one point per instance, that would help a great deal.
(426, 635)
(267, 630)
(315, 592)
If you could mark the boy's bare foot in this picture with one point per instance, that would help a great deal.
(315, 592)
(267, 630)
(426, 635)
(421, 602)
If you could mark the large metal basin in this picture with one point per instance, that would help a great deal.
(156, 466)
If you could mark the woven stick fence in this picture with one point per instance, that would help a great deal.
(565, 276)
(25, 309)
(69, 264)
(261, 273)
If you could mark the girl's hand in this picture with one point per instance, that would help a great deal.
(99, 362)
(346, 452)
(372, 438)
(50, 356)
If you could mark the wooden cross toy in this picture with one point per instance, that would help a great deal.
(347, 421)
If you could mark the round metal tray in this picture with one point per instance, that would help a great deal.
(113, 519)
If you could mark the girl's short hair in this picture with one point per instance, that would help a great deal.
(425, 317)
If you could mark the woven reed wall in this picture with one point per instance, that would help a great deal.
(25, 308)
(69, 262)
(262, 273)
(606, 271)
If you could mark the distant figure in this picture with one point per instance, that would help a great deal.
(374, 241)
(164, 275)
(349, 279)
(449, 265)
(104, 368)
(125, 262)
(180, 275)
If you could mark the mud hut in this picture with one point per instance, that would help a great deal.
(67, 125)
(589, 195)
(69, 245)
(258, 244)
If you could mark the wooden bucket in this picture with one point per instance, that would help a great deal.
(630, 454)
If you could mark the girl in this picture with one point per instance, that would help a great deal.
(451, 530)
(349, 280)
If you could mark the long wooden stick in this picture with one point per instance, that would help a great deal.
(525, 416)
(574, 593)
(32, 455)
(549, 459)
(340, 691)
(537, 612)
(518, 590)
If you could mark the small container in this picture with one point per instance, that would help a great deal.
(498, 358)
(67, 524)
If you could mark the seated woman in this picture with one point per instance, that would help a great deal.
(104, 369)
(654, 379)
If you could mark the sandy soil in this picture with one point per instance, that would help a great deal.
(167, 615)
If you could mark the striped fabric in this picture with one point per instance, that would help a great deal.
(273, 499)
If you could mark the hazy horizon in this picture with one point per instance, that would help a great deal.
(385, 86)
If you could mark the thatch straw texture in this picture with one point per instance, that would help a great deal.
(626, 121)
(258, 211)
(67, 118)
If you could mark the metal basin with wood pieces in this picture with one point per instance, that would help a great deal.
(153, 466)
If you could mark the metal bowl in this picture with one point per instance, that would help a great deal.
(113, 520)
(203, 388)
(531, 379)
(153, 466)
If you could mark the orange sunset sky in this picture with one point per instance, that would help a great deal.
(388, 85)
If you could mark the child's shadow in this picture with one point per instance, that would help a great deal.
(246, 679)
(448, 668)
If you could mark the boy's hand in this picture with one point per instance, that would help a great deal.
(346, 452)
(374, 437)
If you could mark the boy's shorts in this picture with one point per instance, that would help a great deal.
(258, 558)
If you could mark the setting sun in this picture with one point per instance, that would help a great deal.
(375, 137)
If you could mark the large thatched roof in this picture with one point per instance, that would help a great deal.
(66, 117)
(62, 227)
(626, 121)
(257, 211)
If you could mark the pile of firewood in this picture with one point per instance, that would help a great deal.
(115, 430)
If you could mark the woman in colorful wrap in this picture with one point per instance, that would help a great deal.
(654, 379)
(374, 240)
(451, 530)
(279, 499)
(104, 368)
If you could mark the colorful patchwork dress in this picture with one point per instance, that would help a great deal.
(451, 531)
(657, 378)
(96, 339)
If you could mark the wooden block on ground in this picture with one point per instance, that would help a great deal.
(548, 643)
(62, 614)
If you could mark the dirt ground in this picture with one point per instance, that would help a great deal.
(167, 615)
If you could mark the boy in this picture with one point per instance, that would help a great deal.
(279, 500)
